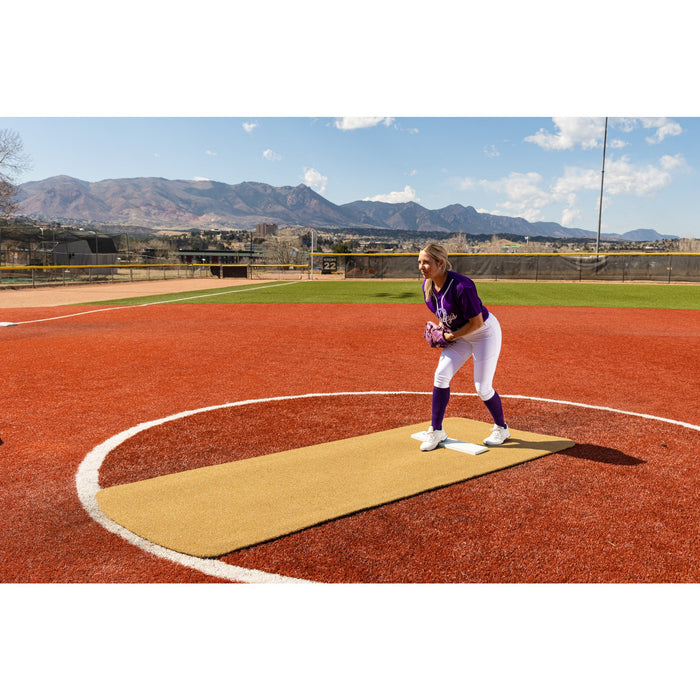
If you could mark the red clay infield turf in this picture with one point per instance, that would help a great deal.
(620, 506)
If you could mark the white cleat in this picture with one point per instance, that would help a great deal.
(432, 439)
(498, 436)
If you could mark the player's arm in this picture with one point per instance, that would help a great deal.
(472, 325)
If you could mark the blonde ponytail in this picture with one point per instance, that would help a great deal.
(439, 254)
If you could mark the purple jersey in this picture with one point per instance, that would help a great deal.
(456, 302)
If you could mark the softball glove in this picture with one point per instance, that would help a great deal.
(435, 335)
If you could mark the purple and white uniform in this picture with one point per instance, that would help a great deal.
(456, 303)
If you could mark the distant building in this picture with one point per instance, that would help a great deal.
(266, 229)
(226, 263)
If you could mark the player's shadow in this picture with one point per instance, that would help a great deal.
(598, 453)
(594, 453)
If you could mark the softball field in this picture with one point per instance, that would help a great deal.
(619, 506)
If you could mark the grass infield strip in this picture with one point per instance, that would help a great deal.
(627, 295)
(211, 511)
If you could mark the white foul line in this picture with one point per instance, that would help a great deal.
(87, 480)
(151, 303)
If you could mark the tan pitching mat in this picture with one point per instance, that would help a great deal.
(211, 511)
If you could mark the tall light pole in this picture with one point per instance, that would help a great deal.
(602, 177)
(311, 254)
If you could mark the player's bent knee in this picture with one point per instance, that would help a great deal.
(441, 381)
(484, 393)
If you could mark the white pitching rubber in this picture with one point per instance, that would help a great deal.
(457, 445)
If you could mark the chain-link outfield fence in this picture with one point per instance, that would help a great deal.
(611, 267)
(55, 275)
(52, 275)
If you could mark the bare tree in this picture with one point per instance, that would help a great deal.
(13, 161)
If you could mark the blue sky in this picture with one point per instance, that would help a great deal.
(542, 169)
(500, 107)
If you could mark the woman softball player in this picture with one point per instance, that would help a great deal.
(470, 330)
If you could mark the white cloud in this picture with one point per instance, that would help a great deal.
(408, 194)
(314, 180)
(574, 180)
(210, 153)
(523, 191)
(491, 151)
(623, 177)
(351, 123)
(622, 123)
(588, 133)
(571, 132)
(673, 162)
(269, 154)
(664, 127)
(527, 195)
(199, 178)
(571, 214)
(249, 126)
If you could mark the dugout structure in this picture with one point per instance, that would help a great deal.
(85, 250)
(609, 267)
(221, 263)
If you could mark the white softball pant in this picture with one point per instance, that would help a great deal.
(485, 346)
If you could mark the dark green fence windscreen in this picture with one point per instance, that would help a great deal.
(615, 267)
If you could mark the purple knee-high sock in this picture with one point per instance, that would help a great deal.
(496, 410)
(440, 399)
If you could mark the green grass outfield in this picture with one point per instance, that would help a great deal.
(627, 295)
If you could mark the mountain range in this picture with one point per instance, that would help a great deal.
(159, 203)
